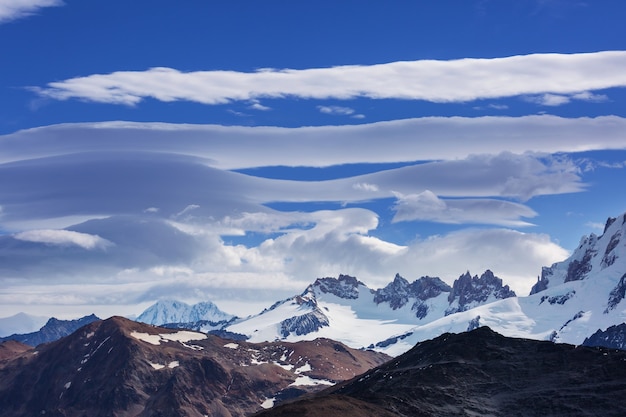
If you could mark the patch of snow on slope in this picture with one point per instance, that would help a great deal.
(307, 380)
(183, 337)
(268, 403)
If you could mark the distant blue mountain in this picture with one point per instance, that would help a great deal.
(53, 330)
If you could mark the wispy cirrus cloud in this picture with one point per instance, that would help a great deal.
(16, 9)
(554, 100)
(461, 80)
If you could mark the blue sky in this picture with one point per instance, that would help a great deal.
(235, 151)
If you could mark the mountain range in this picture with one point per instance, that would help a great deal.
(570, 301)
(119, 367)
(421, 348)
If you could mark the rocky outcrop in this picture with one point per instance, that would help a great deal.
(617, 294)
(398, 293)
(468, 292)
(614, 337)
(303, 324)
(344, 286)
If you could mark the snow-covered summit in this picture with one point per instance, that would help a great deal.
(593, 255)
(172, 311)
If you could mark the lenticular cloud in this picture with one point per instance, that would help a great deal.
(458, 80)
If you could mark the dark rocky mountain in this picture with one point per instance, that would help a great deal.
(119, 367)
(614, 337)
(53, 330)
(479, 373)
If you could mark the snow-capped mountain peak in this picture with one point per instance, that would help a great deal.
(593, 255)
(344, 286)
(172, 311)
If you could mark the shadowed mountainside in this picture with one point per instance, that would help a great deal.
(480, 373)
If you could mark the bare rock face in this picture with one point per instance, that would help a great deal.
(614, 337)
(344, 286)
(468, 292)
(119, 367)
(480, 373)
(399, 292)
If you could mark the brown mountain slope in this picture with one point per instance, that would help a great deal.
(481, 373)
(11, 349)
(121, 368)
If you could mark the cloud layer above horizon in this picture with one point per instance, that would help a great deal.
(145, 209)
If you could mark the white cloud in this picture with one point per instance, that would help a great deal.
(550, 99)
(64, 238)
(587, 96)
(365, 186)
(554, 100)
(426, 206)
(284, 265)
(336, 110)
(17, 9)
(461, 80)
(256, 105)
(428, 138)
(111, 178)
